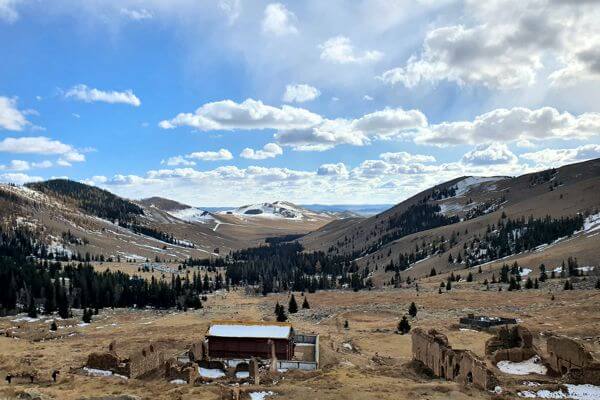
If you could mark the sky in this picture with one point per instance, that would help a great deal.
(229, 102)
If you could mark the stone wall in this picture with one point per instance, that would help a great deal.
(510, 343)
(188, 372)
(462, 366)
(143, 361)
(571, 359)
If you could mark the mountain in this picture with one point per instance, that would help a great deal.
(75, 220)
(163, 204)
(277, 209)
(468, 216)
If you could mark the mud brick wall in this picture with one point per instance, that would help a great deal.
(146, 360)
(571, 359)
(510, 343)
(462, 366)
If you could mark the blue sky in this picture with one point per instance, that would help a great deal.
(226, 102)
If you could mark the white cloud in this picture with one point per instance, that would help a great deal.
(403, 157)
(222, 154)
(269, 150)
(251, 114)
(519, 123)
(136, 14)
(491, 154)
(366, 97)
(178, 161)
(11, 118)
(300, 93)
(278, 20)
(339, 49)
(42, 145)
(506, 46)
(21, 165)
(548, 158)
(89, 95)
(8, 10)
(19, 178)
(338, 169)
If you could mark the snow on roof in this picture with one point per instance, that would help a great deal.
(250, 330)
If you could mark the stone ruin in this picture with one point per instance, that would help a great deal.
(462, 366)
(572, 360)
(143, 361)
(510, 343)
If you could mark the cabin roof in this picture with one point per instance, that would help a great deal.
(256, 330)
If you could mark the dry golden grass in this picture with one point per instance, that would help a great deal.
(376, 365)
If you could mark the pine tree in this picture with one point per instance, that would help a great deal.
(598, 284)
(412, 310)
(53, 326)
(63, 304)
(292, 305)
(470, 277)
(568, 285)
(404, 325)
(439, 290)
(449, 285)
(87, 315)
(543, 275)
(32, 309)
(529, 283)
(281, 316)
(346, 325)
(305, 304)
(536, 284)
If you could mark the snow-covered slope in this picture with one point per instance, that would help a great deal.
(463, 186)
(276, 210)
(193, 214)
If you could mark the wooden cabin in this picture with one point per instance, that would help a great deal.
(243, 340)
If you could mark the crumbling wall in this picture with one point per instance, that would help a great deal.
(571, 359)
(146, 360)
(510, 343)
(139, 363)
(104, 361)
(187, 372)
(462, 366)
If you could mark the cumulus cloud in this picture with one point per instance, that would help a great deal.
(250, 114)
(547, 158)
(278, 20)
(338, 169)
(269, 150)
(19, 178)
(506, 46)
(517, 123)
(300, 93)
(90, 95)
(220, 155)
(177, 161)
(136, 14)
(340, 50)
(403, 157)
(42, 145)
(11, 118)
(188, 159)
(21, 165)
(490, 154)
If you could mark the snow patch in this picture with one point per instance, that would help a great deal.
(531, 366)
(210, 373)
(178, 382)
(466, 184)
(260, 395)
(575, 392)
(242, 374)
(591, 223)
